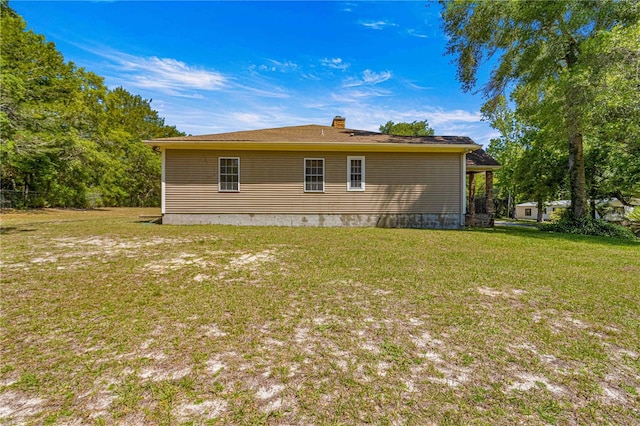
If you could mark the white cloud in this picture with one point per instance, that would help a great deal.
(365, 108)
(377, 25)
(415, 33)
(370, 115)
(370, 77)
(262, 117)
(168, 75)
(311, 76)
(335, 63)
(274, 65)
(247, 118)
(175, 78)
(443, 117)
(357, 96)
(284, 65)
(348, 7)
(266, 92)
(417, 87)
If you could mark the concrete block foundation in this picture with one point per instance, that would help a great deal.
(480, 220)
(418, 220)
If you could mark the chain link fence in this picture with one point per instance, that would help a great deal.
(11, 199)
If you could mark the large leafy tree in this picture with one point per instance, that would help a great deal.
(507, 149)
(532, 160)
(541, 53)
(415, 128)
(538, 170)
(66, 137)
(613, 117)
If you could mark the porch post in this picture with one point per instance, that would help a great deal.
(489, 192)
(472, 196)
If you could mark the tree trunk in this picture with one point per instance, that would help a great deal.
(579, 205)
(540, 211)
(577, 180)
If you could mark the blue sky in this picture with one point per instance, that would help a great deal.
(214, 67)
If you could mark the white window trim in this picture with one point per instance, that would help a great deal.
(355, 157)
(304, 175)
(219, 181)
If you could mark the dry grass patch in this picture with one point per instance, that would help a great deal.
(107, 320)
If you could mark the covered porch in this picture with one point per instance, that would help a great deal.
(480, 210)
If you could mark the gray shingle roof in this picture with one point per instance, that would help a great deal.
(313, 133)
(479, 157)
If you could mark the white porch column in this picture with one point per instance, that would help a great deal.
(163, 194)
(463, 188)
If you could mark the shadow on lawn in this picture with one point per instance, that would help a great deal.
(531, 232)
(12, 229)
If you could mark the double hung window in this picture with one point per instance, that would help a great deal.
(355, 174)
(229, 174)
(314, 175)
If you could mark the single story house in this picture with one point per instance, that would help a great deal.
(611, 210)
(529, 210)
(314, 175)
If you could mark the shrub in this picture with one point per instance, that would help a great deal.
(568, 224)
(556, 215)
(633, 219)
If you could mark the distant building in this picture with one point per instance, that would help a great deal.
(529, 210)
(611, 210)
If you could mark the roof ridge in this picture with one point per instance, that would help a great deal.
(317, 133)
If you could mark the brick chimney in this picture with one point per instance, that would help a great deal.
(338, 122)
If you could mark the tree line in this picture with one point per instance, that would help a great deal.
(67, 139)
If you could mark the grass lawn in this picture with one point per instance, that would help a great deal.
(107, 320)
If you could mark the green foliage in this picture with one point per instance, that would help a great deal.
(634, 216)
(556, 215)
(67, 140)
(613, 115)
(569, 66)
(634, 220)
(540, 169)
(415, 128)
(569, 224)
(507, 149)
(533, 162)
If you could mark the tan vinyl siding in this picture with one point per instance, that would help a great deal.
(273, 182)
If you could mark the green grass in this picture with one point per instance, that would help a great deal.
(109, 320)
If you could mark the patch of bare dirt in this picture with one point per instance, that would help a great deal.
(486, 291)
(206, 410)
(528, 381)
(17, 408)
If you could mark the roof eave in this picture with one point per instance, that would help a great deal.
(312, 146)
(483, 168)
